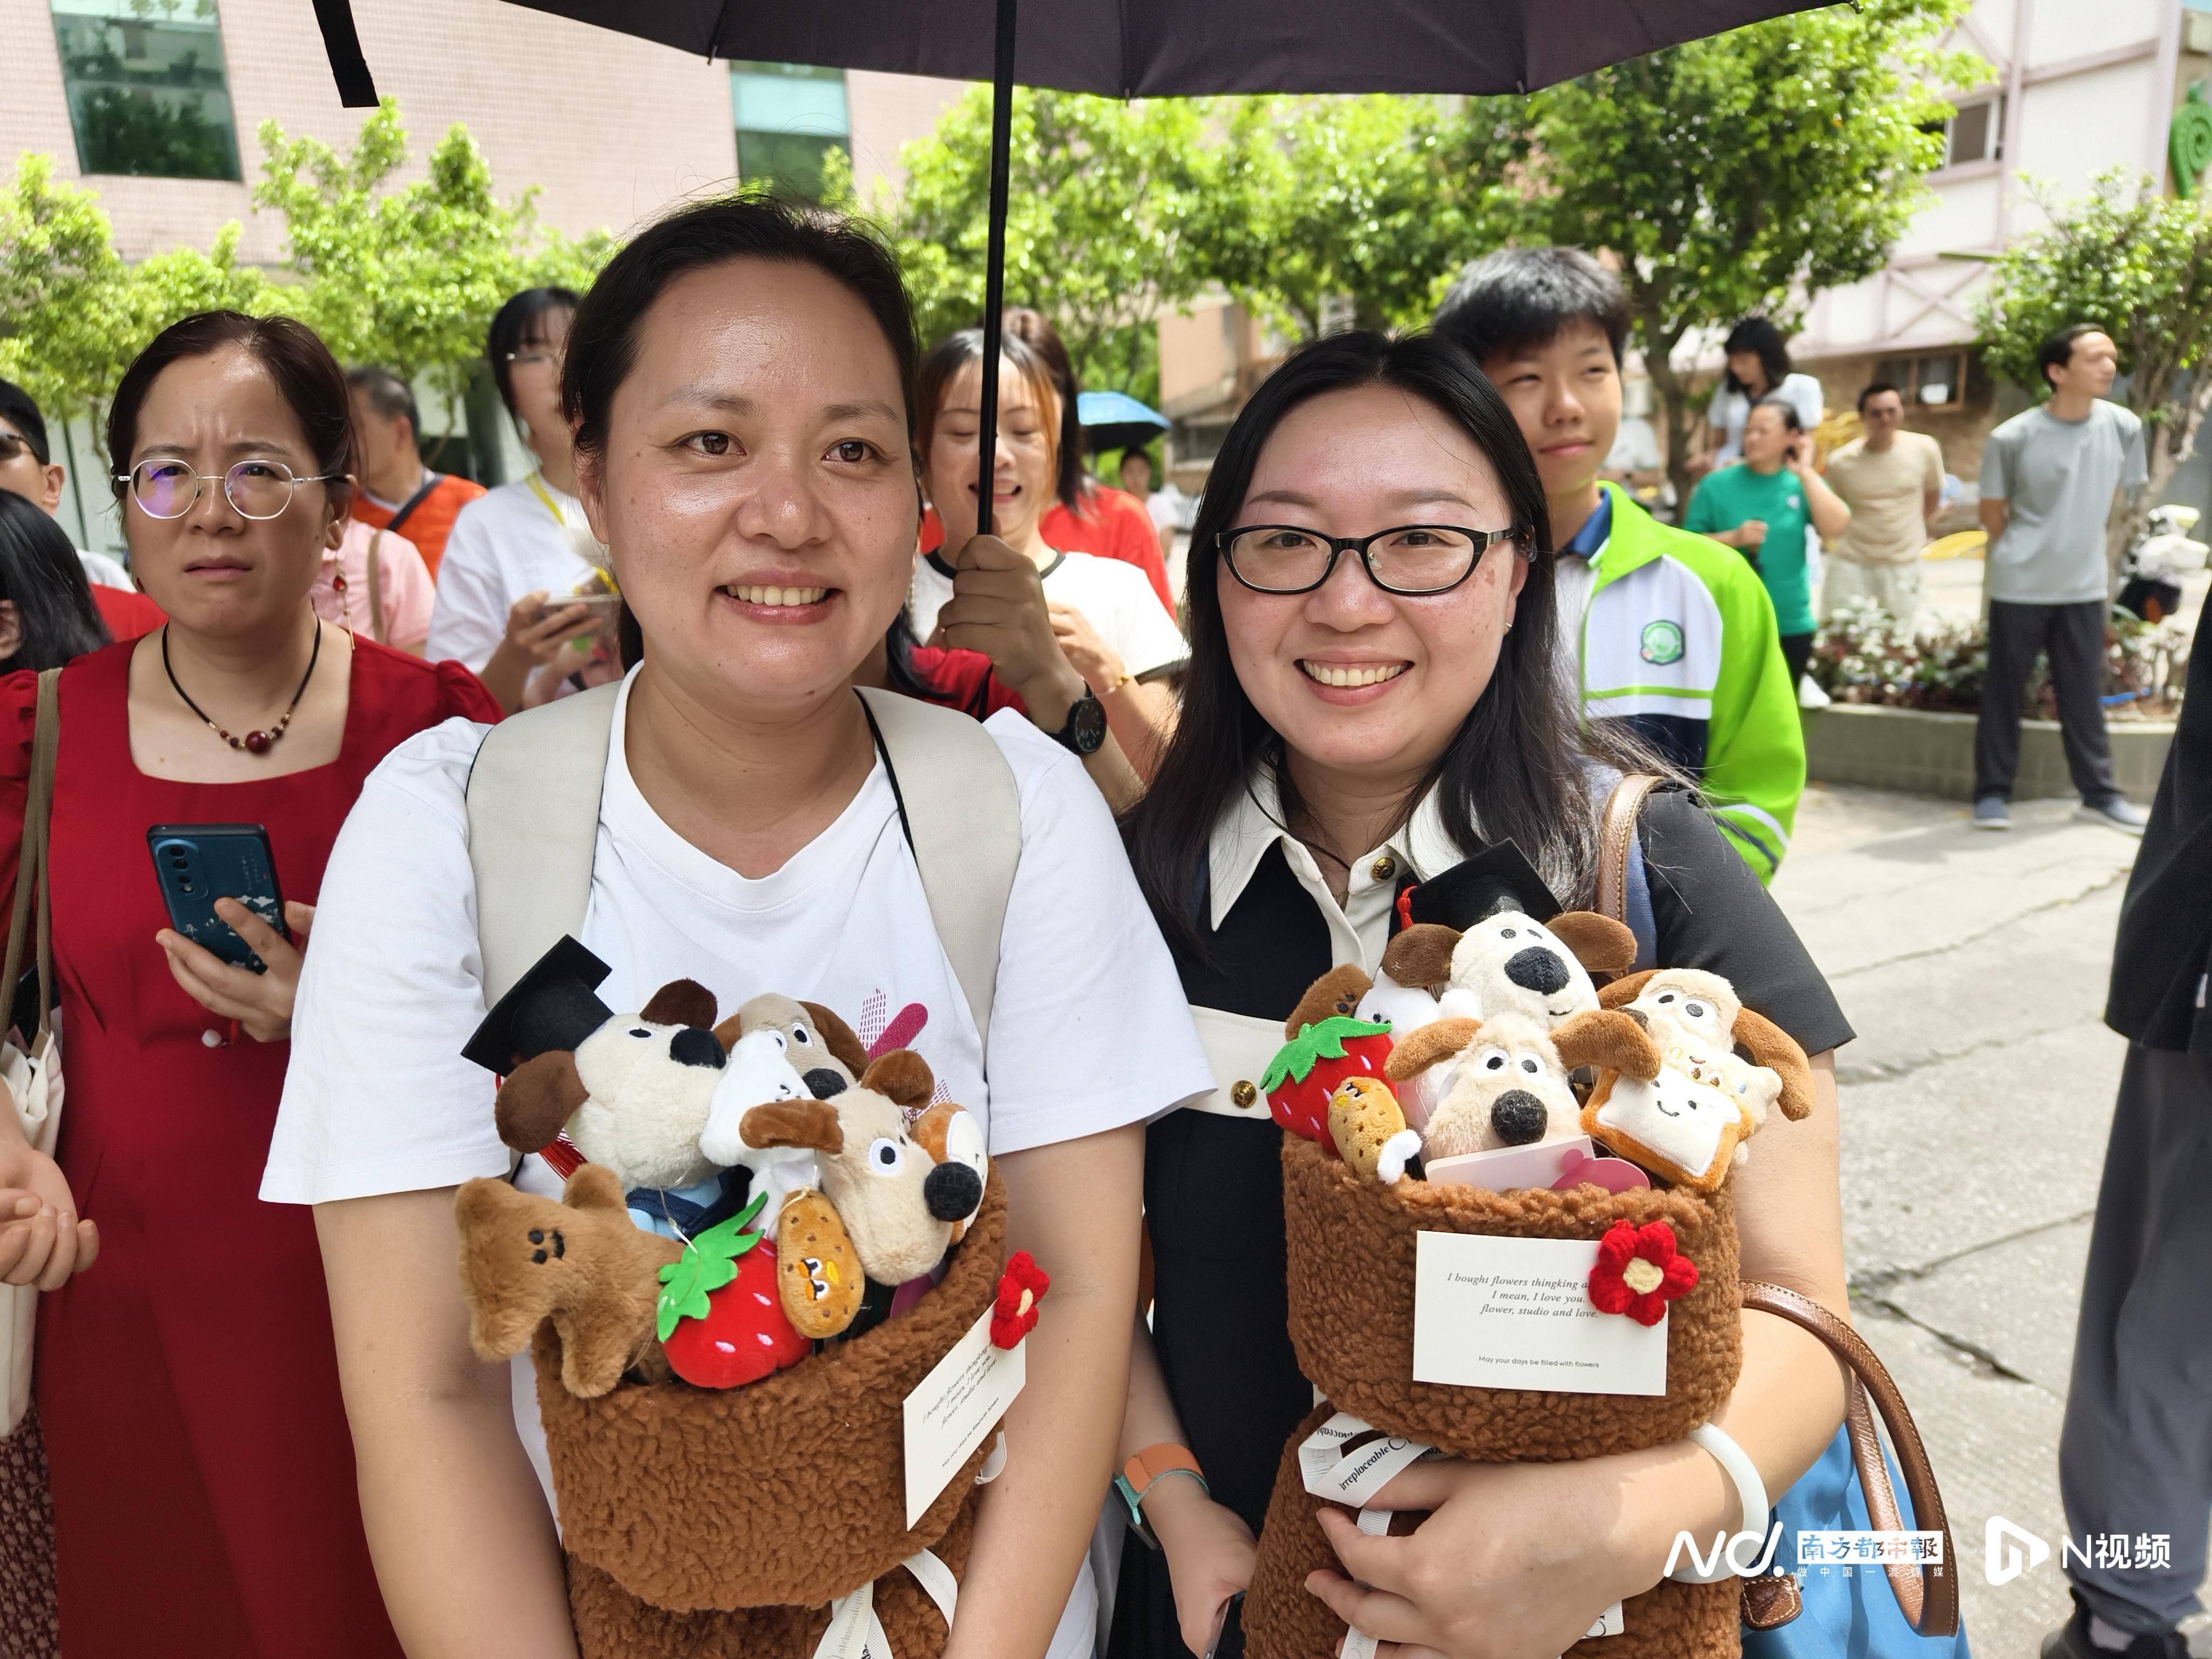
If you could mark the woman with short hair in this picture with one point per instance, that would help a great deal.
(47, 613)
(739, 382)
(187, 1384)
(1374, 695)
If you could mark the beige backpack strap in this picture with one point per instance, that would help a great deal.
(964, 821)
(375, 591)
(1616, 839)
(533, 804)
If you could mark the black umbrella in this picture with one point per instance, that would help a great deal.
(1145, 49)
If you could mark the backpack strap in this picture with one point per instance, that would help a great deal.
(962, 816)
(533, 811)
(375, 590)
(1624, 888)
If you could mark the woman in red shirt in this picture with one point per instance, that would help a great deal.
(187, 1388)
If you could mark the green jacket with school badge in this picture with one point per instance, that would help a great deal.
(1679, 642)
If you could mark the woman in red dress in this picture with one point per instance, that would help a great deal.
(201, 1471)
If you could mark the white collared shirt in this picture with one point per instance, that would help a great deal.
(1239, 1046)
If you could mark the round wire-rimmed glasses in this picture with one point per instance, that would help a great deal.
(259, 490)
(1409, 559)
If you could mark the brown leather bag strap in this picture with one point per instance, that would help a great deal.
(1929, 1595)
(31, 860)
(1616, 838)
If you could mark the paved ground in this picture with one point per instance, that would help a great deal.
(1975, 1106)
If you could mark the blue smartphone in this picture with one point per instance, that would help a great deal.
(197, 864)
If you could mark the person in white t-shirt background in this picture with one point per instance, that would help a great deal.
(1757, 368)
(517, 553)
(1102, 613)
(739, 381)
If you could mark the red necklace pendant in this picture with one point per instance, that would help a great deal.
(256, 743)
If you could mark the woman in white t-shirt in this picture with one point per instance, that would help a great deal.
(515, 552)
(738, 382)
(1103, 615)
(1757, 367)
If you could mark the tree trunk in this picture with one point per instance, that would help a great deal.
(1673, 393)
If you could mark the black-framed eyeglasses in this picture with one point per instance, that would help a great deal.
(1409, 559)
(257, 489)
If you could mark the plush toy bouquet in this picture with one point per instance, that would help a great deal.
(768, 1240)
(1441, 1099)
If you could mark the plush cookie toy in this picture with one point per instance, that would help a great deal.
(582, 1263)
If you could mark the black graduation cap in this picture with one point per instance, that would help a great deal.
(554, 1005)
(1497, 878)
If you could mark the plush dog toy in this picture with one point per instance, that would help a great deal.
(1699, 1023)
(1510, 962)
(950, 1134)
(824, 1051)
(1508, 1075)
(1676, 1126)
(898, 1203)
(582, 1263)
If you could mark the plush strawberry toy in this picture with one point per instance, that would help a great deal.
(1306, 1071)
(720, 1318)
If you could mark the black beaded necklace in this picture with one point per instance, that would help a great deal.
(254, 742)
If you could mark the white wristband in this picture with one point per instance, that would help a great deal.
(1751, 1494)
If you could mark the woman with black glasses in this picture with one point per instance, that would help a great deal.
(187, 1385)
(1375, 693)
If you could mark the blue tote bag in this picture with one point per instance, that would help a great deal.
(1857, 1614)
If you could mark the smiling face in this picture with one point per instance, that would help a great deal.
(214, 570)
(1027, 455)
(1366, 685)
(1566, 395)
(756, 489)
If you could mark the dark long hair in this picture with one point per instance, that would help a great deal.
(1035, 330)
(1758, 335)
(42, 576)
(1517, 770)
(517, 324)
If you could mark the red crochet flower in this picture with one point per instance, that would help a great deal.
(1639, 1271)
(1021, 1287)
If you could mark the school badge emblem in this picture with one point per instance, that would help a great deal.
(1662, 643)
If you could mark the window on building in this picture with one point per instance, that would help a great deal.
(1931, 379)
(146, 93)
(1976, 133)
(1197, 441)
(789, 116)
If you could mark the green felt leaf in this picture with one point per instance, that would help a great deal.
(1313, 1044)
(708, 1262)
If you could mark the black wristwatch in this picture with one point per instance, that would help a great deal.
(1086, 725)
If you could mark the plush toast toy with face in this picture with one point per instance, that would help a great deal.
(1676, 1126)
(1699, 1024)
(582, 1263)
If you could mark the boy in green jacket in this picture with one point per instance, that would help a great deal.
(1675, 633)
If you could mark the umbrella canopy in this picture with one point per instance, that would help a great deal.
(1114, 420)
(1141, 49)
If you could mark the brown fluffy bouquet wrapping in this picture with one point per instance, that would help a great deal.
(1351, 1246)
(707, 1524)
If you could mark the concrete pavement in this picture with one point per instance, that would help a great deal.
(1975, 1105)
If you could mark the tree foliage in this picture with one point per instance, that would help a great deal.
(1101, 195)
(1317, 203)
(2137, 265)
(407, 276)
(72, 313)
(1740, 173)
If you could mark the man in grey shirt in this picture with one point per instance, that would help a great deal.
(2048, 479)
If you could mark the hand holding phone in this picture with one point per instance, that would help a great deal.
(234, 945)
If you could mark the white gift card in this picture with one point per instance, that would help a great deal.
(1506, 1168)
(952, 1408)
(1516, 1313)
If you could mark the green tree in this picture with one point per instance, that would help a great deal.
(1317, 208)
(1740, 173)
(406, 276)
(59, 270)
(1101, 192)
(2138, 265)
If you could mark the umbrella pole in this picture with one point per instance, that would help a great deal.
(994, 264)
